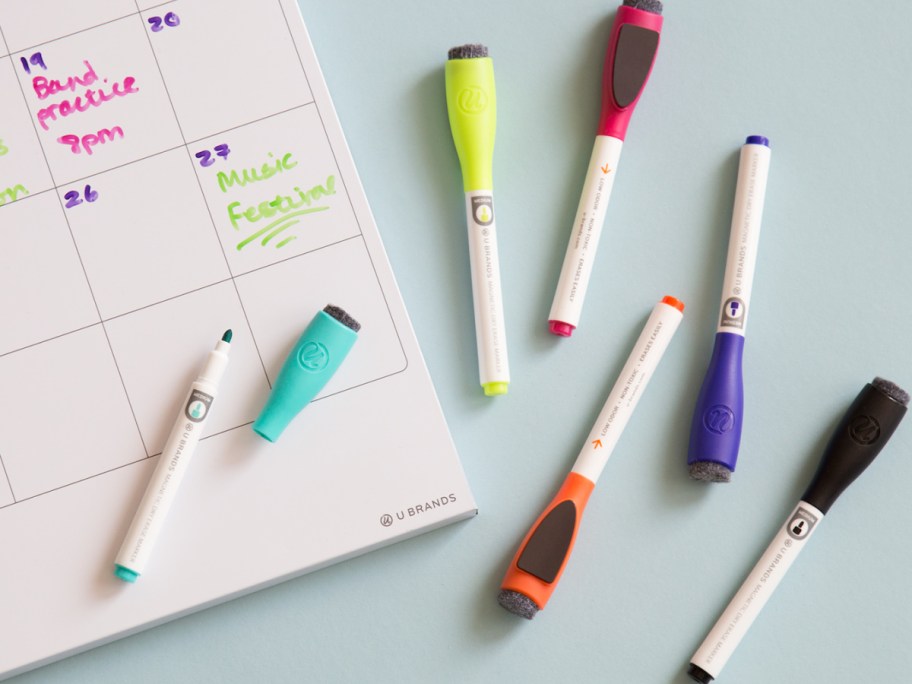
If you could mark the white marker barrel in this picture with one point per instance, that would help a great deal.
(172, 466)
(747, 215)
(757, 589)
(490, 330)
(626, 393)
(587, 230)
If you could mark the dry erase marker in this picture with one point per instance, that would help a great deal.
(172, 465)
(715, 431)
(543, 554)
(628, 62)
(863, 431)
(472, 107)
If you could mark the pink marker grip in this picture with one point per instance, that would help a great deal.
(628, 63)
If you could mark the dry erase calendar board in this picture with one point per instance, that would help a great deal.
(158, 186)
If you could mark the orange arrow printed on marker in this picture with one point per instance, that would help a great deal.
(596, 443)
(606, 169)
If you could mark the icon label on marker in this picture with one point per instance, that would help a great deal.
(197, 406)
(483, 210)
(801, 524)
(313, 357)
(864, 430)
(719, 419)
(473, 100)
(733, 313)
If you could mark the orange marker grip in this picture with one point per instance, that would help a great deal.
(542, 556)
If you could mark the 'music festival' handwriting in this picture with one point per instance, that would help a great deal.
(286, 207)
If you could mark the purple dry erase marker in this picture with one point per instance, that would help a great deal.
(715, 433)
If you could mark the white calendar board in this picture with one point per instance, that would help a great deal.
(168, 171)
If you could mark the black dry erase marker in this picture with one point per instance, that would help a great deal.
(861, 434)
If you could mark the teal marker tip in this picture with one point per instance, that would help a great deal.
(227, 336)
(125, 574)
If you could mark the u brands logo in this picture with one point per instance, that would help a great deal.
(864, 430)
(313, 357)
(473, 100)
(719, 419)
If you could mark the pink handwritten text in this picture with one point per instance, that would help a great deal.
(93, 97)
(87, 142)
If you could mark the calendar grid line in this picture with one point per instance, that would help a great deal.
(8, 481)
(116, 468)
(199, 184)
(370, 257)
(88, 28)
(177, 296)
(161, 152)
(79, 257)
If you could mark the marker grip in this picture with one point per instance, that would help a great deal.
(472, 108)
(543, 553)
(715, 432)
(629, 60)
(863, 431)
(314, 359)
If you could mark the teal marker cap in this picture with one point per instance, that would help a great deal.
(317, 355)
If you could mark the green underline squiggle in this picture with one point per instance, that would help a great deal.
(276, 225)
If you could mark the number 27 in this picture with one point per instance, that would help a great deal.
(205, 156)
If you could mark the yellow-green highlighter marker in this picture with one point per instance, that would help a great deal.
(472, 104)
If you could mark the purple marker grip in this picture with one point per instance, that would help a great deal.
(715, 433)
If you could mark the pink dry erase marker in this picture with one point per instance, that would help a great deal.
(628, 63)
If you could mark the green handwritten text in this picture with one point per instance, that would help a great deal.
(3, 148)
(288, 209)
(254, 175)
(12, 194)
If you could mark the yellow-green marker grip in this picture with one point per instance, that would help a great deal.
(472, 105)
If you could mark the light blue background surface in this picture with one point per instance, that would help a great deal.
(658, 556)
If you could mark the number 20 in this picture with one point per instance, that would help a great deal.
(158, 23)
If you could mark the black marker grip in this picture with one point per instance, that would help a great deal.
(863, 431)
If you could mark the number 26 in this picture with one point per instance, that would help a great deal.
(73, 199)
(158, 23)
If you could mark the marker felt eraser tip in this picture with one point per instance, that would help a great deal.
(314, 359)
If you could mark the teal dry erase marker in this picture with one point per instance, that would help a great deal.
(172, 465)
(317, 355)
(472, 106)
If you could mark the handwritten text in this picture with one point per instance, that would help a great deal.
(92, 97)
(12, 194)
(256, 174)
(87, 142)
